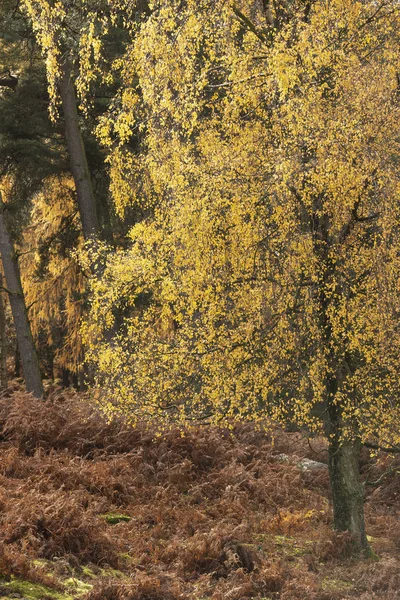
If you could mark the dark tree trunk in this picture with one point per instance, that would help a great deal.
(78, 159)
(82, 381)
(75, 380)
(65, 378)
(29, 360)
(344, 474)
(17, 366)
(348, 491)
(3, 340)
(49, 364)
(10, 82)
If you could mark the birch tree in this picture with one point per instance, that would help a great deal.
(264, 282)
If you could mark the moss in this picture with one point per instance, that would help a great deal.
(41, 562)
(290, 547)
(284, 540)
(336, 585)
(371, 554)
(88, 572)
(32, 591)
(127, 558)
(112, 573)
(114, 518)
(77, 586)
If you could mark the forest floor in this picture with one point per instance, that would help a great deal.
(104, 512)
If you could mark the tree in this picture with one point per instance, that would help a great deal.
(61, 48)
(30, 363)
(26, 157)
(44, 229)
(264, 283)
(54, 283)
(78, 159)
(79, 42)
(3, 338)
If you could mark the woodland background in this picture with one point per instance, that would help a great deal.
(199, 232)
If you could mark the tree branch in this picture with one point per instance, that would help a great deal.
(9, 292)
(388, 450)
(248, 23)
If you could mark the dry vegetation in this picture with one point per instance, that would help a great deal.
(212, 514)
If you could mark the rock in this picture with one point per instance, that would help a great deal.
(305, 464)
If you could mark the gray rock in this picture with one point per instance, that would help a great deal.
(305, 464)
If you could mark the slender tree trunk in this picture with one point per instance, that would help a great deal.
(78, 159)
(82, 385)
(29, 360)
(79, 167)
(344, 470)
(3, 340)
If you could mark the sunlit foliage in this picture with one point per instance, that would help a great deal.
(53, 281)
(260, 145)
(264, 280)
(73, 33)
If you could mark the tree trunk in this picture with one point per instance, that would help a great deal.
(65, 377)
(344, 474)
(29, 360)
(348, 491)
(78, 159)
(17, 366)
(3, 340)
(344, 470)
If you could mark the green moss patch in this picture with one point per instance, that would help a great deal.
(114, 518)
(289, 546)
(336, 585)
(31, 591)
(77, 586)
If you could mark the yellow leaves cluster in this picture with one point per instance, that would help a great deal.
(47, 18)
(265, 268)
(73, 33)
(52, 280)
(90, 54)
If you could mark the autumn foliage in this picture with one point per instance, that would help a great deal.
(199, 225)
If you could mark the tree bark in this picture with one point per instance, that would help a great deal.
(65, 377)
(348, 491)
(344, 473)
(3, 340)
(78, 159)
(29, 359)
(17, 365)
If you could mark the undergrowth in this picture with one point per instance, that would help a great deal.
(208, 514)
